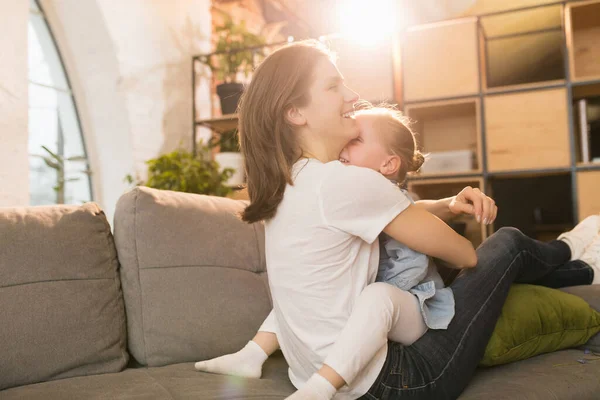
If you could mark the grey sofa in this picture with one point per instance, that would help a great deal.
(88, 315)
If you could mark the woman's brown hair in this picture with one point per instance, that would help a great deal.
(267, 139)
(397, 134)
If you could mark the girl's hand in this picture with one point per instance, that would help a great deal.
(473, 201)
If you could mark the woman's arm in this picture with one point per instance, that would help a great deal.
(470, 201)
(424, 232)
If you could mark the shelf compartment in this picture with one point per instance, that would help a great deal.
(441, 60)
(448, 126)
(583, 37)
(586, 112)
(527, 130)
(524, 48)
(588, 193)
(220, 124)
(442, 188)
(541, 206)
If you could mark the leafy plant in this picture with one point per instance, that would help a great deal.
(181, 171)
(57, 162)
(232, 54)
(226, 141)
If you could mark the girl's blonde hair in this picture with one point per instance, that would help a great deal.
(397, 135)
(267, 139)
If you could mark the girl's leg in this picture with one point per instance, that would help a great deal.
(440, 364)
(381, 312)
(249, 360)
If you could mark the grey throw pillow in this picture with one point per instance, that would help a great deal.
(62, 312)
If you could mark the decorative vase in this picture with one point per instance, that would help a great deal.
(229, 94)
(234, 161)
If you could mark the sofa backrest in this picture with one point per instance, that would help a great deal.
(61, 306)
(193, 275)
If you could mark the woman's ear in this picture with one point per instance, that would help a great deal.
(390, 166)
(295, 116)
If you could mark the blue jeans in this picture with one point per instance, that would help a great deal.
(441, 363)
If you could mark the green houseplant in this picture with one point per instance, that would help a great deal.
(235, 51)
(181, 171)
(57, 162)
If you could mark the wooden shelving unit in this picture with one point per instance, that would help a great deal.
(451, 125)
(583, 35)
(437, 65)
(220, 124)
(523, 49)
(507, 86)
(586, 110)
(541, 204)
(588, 192)
(521, 134)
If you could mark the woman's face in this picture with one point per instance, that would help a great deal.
(368, 149)
(330, 105)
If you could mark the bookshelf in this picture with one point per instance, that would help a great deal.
(583, 33)
(430, 51)
(449, 126)
(521, 89)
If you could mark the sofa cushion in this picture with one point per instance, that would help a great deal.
(557, 375)
(62, 312)
(550, 376)
(591, 294)
(179, 381)
(536, 320)
(193, 275)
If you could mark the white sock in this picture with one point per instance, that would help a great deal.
(316, 388)
(247, 362)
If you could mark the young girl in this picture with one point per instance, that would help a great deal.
(387, 145)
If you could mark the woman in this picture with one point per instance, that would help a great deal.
(322, 220)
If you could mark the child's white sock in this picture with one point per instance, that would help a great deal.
(316, 388)
(247, 362)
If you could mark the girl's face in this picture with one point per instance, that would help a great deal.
(368, 150)
(331, 103)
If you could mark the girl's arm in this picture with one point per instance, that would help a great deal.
(424, 232)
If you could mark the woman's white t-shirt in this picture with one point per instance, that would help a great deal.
(321, 252)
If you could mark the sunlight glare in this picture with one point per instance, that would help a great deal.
(368, 23)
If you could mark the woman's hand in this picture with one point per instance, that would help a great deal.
(473, 201)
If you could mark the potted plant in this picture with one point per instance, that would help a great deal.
(231, 57)
(57, 162)
(181, 171)
(229, 156)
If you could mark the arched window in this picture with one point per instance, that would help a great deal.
(59, 168)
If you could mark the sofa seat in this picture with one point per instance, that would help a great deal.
(550, 376)
(556, 376)
(177, 381)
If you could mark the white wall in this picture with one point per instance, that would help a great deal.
(129, 63)
(14, 163)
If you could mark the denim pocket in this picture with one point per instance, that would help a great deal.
(397, 356)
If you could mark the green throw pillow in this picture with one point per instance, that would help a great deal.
(537, 320)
